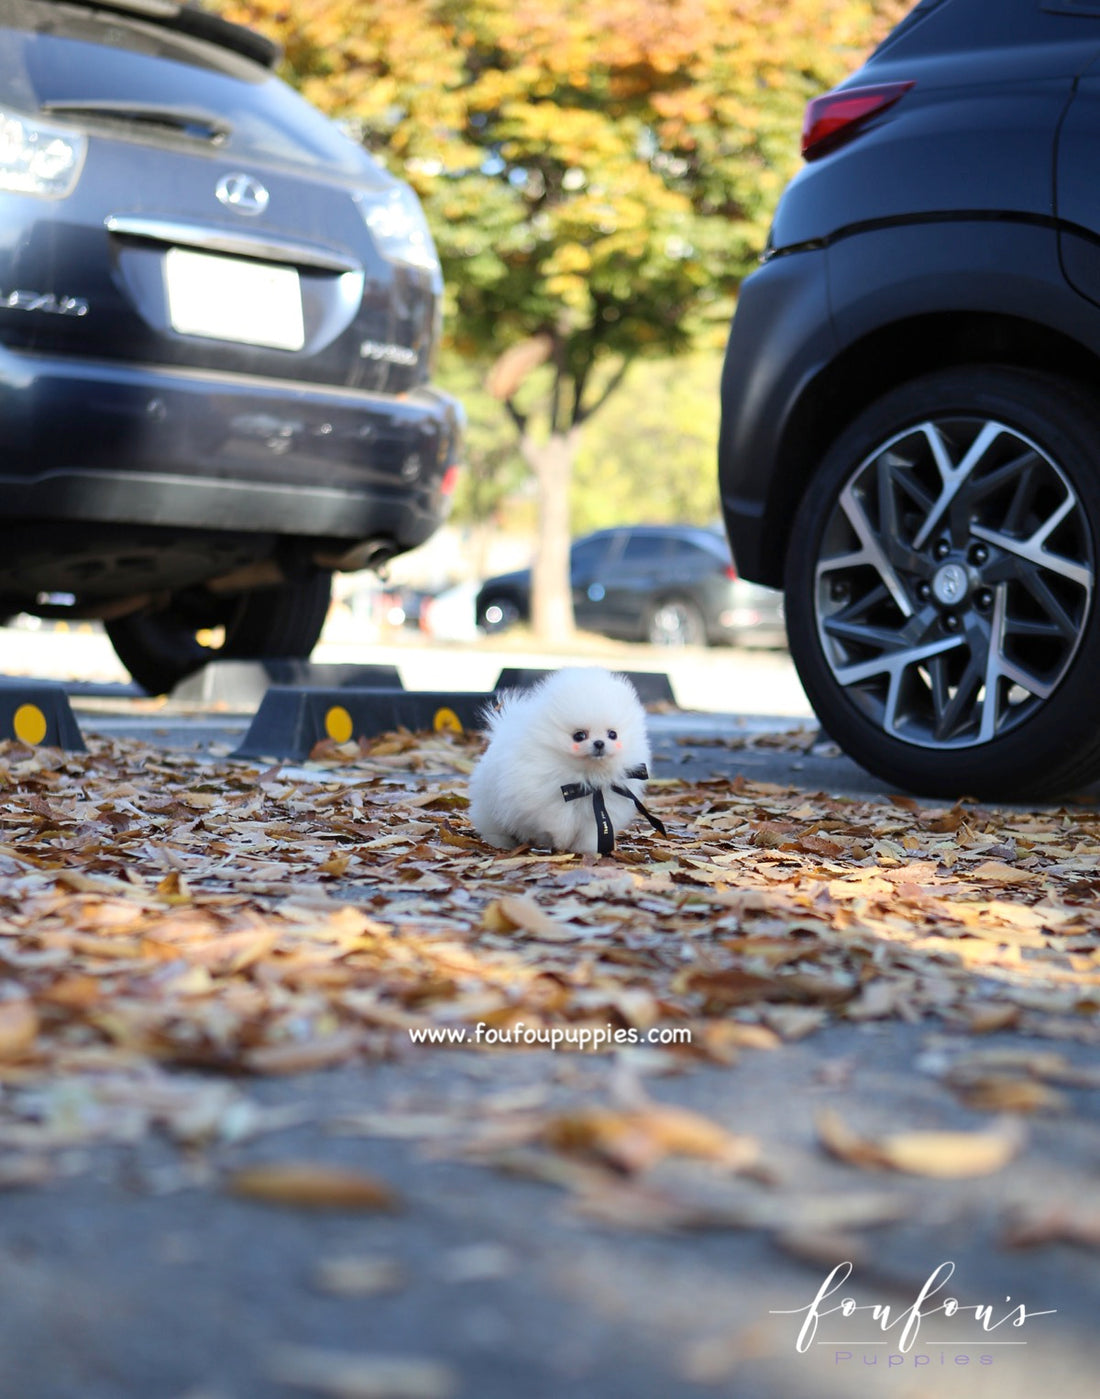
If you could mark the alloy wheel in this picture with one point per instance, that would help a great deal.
(953, 582)
(675, 623)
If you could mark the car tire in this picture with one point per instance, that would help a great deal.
(161, 648)
(499, 613)
(675, 621)
(940, 586)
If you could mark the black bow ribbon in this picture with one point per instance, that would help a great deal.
(605, 831)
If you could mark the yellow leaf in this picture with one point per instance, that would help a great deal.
(312, 1185)
(942, 1154)
(951, 1154)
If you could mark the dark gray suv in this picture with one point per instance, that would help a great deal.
(217, 323)
(911, 402)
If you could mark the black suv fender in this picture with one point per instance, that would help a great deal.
(822, 331)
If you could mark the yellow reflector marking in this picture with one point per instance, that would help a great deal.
(447, 721)
(338, 724)
(29, 724)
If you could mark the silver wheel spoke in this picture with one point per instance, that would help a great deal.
(953, 477)
(995, 668)
(1032, 550)
(870, 552)
(895, 663)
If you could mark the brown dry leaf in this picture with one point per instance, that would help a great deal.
(520, 913)
(312, 1185)
(633, 1141)
(202, 801)
(944, 1155)
(18, 1023)
(1036, 1225)
(345, 1375)
(987, 1019)
(794, 1022)
(997, 872)
(883, 997)
(840, 1141)
(173, 889)
(306, 1056)
(232, 952)
(822, 845)
(997, 1093)
(327, 750)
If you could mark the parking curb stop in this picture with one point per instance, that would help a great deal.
(292, 719)
(38, 714)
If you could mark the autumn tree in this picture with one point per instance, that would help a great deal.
(599, 175)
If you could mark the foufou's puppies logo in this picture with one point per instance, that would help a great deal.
(849, 1326)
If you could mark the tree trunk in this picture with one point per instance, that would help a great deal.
(551, 462)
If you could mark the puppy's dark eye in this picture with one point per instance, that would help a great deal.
(612, 734)
(580, 735)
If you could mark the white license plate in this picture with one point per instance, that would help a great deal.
(227, 298)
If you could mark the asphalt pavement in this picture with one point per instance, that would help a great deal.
(128, 1277)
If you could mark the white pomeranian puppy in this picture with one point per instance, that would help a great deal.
(566, 764)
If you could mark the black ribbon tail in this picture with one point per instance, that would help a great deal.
(654, 821)
(605, 831)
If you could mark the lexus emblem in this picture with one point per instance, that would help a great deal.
(242, 193)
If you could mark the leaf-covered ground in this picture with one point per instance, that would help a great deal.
(171, 925)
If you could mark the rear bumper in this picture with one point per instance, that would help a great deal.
(99, 441)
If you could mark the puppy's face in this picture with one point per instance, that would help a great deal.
(598, 744)
(602, 745)
(592, 722)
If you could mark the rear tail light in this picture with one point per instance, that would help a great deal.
(834, 117)
(398, 226)
(38, 158)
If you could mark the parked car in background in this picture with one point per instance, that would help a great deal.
(217, 323)
(911, 402)
(669, 585)
(450, 615)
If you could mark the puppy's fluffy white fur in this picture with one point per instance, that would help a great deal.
(578, 725)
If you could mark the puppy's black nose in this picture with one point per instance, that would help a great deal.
(597, 745)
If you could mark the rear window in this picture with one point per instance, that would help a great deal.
(914, 17)
(52, 56)
(964, 24)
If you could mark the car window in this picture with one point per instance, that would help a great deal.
(67, 58)
(683, 551)
(920, 11)
(645, 548)
(590, 553)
